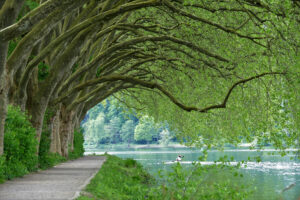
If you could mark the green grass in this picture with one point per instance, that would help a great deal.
(119, 179)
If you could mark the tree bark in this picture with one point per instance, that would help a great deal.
(66, 124)
(8, 13)
(55, 146)
(37, 112)
(1, 3)
(71, 141)
(3, 108)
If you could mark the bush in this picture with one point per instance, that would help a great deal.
(78, 145)
(130, 163)
(19, 145)
(50, 159)
(47, 159)
(2, 165)
(205, 182)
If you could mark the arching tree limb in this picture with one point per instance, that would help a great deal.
(135, 81)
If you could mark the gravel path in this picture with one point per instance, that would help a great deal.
(64, 181)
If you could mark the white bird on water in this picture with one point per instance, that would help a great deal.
(179, 158)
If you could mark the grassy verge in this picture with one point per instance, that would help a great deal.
(119, 179)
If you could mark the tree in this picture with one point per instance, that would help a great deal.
(95, 132)
(165, 137)
(114, 129)
(127, 131)
(146, 131)
(220, 67)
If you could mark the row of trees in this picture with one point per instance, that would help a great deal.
(107, 124)
(183, 61)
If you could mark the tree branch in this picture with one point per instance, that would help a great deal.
(191, 16)
(152, 85)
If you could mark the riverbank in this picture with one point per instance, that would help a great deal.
(126, 179)
(118, 179)
(269, 177)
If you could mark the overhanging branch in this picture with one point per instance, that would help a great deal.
(151, 85)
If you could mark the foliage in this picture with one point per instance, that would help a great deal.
(119, 180)
(47, 159)
(233, 65)
(165, 136)
(50, 159)
(11, 47)
(114, 128)
(27, 7)
(127, 131)
(43, 71)
(109, 122)
(31, 4)
(219, 182)
(126, 179)
(2, 169)
(146, 131)
(19, 144)
(78, 145)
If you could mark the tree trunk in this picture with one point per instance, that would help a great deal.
(1, 3)
(3, 92)
(37, 111)
(71, 141)
(55, 146)
(8, 13)
(3, 108)
(66, 123)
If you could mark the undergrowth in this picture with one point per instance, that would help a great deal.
(120, 179)
(20, 146)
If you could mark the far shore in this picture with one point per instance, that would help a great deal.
(136, 146)
(122, 147)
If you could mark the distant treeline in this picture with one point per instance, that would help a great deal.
(106, 123)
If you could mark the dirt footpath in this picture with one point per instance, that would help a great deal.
(64, 181)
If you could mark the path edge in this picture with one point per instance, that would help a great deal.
(86, 182)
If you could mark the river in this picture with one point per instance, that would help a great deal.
(269, 177)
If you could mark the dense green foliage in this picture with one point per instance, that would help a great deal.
(107, 123)
(19, 145)
(126, 180)
(46, 158)
(2, 168)
(78, 145)
(146, 131)
(215, 182)
(20, 153)
(43, 71)
(216, 71)
(119, 180)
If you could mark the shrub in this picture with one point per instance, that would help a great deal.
(19, 144)
(205, 182)
(2, 165)
(78, 145)
(130, 163)
(46, 158)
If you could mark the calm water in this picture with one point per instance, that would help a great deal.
(269, 177)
